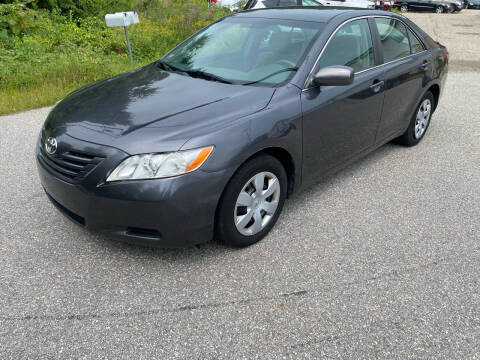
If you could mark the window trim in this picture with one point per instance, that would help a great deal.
(405, 34)
(307, 83)
(409, 30)
(372, 40)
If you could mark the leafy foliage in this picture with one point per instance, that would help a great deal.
(50, 47)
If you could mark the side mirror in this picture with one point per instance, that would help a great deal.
(334, 76)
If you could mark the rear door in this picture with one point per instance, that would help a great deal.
(341, 121)
(406, 67)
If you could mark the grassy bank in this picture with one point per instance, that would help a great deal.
(46, 53)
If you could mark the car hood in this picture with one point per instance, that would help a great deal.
(148, 105)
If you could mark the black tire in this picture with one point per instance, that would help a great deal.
(439, 10)
(408, 137)
(225, 229)
(404, 7)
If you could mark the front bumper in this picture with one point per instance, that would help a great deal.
(170, 212)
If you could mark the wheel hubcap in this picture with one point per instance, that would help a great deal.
(257, 203)
(423, 117)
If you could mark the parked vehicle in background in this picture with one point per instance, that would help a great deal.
(388, 4)
(264, 4)
(261, 4)
(385, 4)
(458, 4)
(362, 4)
(439, 6)
(472, 4)
(233, 5)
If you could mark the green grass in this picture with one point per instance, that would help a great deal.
(54, 83)
(44, 54)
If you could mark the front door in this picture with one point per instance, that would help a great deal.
(341, 121)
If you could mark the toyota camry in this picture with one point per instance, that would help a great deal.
(208, 141)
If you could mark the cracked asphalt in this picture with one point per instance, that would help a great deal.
(381, 260)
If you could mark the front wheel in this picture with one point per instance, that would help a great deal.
(251, 202)
(439, 9)
(419, 123)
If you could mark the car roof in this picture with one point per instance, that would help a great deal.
(315, 13)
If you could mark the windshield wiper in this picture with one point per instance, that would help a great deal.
(207, 76)
(193, 73)
(272, 74)
(162, 64)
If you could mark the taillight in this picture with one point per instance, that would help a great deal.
(446, 58)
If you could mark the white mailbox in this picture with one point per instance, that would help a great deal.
(121, 18)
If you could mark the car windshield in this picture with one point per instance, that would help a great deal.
(245, 50)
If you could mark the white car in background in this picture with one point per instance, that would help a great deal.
(364, 4)
(260, 4)
(233, 5)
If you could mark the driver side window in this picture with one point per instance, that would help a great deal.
(350, 46)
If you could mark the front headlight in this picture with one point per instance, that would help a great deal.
(154, 166)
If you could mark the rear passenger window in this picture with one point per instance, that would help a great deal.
(394, 37)
(415, 44)
(350, 46)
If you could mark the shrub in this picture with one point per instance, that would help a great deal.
(47, 51)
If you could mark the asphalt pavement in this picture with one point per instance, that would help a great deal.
(459, 32)
(381, 260)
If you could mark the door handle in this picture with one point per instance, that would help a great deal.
(425, 65)
(377, 86)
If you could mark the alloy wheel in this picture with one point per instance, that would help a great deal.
(404, 8)
(257, 203)
(439, 10)
(423, 117)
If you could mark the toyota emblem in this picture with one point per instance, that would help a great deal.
(51, 145)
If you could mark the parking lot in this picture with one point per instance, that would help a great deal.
(459, 32)
(380, 260)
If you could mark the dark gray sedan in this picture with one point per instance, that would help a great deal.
(209, 141)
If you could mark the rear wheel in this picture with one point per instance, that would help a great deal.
(439, 9)
(404, 8)
(419, 123)
(252, 202)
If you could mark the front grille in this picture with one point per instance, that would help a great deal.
(71, 165)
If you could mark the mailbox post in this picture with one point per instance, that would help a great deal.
(123, 19)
